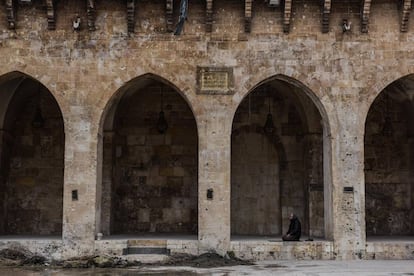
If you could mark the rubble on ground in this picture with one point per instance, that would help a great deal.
(21, 257)
(205, 260)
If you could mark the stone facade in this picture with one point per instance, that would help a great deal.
(329, 160)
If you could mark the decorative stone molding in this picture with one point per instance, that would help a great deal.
(51, 16)
(91, 12)
(215, 80)
(169, 9)
(325, 15)
(287, 14)
(11, 14)
(247, 15)
(209, 16)
(366, 9)
(131, 15)
(405, 14)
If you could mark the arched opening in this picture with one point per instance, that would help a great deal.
(277, 162)
(31, 158)
(150, 162)
(389, 161)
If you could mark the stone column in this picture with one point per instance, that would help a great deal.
(107, 176)
(411, 173)
(314, 185)
(348, 189)
(80, 183)
(214, 178)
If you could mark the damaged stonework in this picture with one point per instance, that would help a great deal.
(48, 249)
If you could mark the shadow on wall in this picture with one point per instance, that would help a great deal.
(276, 162)
(389, 166)
(32, 158)
(152, 153)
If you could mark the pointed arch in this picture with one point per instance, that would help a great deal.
(312, 119)
(32, 157)
(388, 155)
(302, 88)
(125, 90)
(161, 167)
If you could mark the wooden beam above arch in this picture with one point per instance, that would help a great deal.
(169, 10)
(11, 14)
(209, 16)
(405, 14)
(248, 15)
(91, 12)
(131, 15)
(51, 15)
(365, 12)
(326, 12)
(287, 14)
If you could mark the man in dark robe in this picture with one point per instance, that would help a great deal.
(294, 232)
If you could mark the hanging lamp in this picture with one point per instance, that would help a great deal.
(269, 126)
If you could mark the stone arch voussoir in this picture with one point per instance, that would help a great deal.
(110, 100)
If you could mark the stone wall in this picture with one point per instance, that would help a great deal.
(33, 190)
(5, 165)
(272, 172)
(340, 73)
(154, 187)
(387, 171)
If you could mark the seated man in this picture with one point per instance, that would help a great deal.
(293, 234)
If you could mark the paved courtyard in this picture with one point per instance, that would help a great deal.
(313, 268)
(261, 268)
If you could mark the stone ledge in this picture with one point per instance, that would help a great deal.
(267, 250)
(51, 249)
(390, 250)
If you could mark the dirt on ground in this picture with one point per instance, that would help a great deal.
(15, 257)
(205, 260)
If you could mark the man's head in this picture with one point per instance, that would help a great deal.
(292, 216)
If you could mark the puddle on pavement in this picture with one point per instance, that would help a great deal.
(274, 266)
(91, 272)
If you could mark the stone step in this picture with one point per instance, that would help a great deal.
(147, 243)
(146, 258)
(146, 250)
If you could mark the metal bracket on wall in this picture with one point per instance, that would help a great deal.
(348, 189)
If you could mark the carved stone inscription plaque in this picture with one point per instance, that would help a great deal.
(215, 80)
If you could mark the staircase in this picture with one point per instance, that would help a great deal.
(146, 251)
